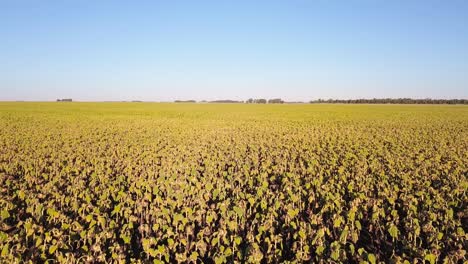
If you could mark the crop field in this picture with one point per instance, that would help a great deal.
(224, 183)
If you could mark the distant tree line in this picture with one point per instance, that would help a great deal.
(227, 101)
(265, 101)
(256, 101)
(391, 101)
(276, 101)
(249, 101)
(64, 100)
(294, 102)
(331, 101)
(185, 101)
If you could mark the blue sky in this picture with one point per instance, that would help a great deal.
(296, 50)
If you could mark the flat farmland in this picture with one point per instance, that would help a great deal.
(223, 183)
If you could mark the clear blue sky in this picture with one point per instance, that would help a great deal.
(296, 50)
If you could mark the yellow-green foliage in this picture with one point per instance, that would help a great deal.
(142, 182)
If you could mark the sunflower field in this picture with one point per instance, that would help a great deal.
(233, 183)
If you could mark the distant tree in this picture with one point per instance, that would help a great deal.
(293, 102)
(275, 101)
(250, 101)
(226, 101)
(393, 101)
(185, 101)
(64, 100)
(260, 101)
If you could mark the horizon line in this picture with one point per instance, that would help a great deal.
(239, 101)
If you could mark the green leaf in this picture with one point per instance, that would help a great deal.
(361, 251)
(194, 256)
(38, 241)
(450, 213)
(209, 219)
(393, 231)
(52, 249)
(178, 218)
(161, 249)
(302, 234)
(335, 254)
(344, 235)
(89, 218)
(293, 225)
(5, 214)
(238, 211)
(28, 228)
(214, 241)
(125, 238)
(52, 212)
(371, 258)
(220, 260)
(337, 222)
(170, 242)
(21, 194)
(358, 225)
(293, 212)
(146, 243)
(431, 258)
(320, 250)
(116, 209)
(5, 250)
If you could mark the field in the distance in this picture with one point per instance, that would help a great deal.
(222, 183)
